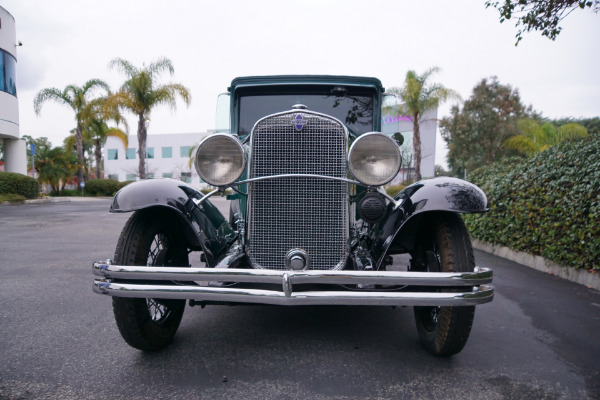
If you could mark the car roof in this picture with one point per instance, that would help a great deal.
(285, 80)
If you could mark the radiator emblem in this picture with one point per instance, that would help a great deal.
(299, 122)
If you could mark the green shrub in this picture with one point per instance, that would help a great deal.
(102, 187)
(66, 193)
(13, 183)
(548, 205)
(393, 190)
(11, 197)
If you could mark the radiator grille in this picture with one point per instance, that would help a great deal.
(294, 212)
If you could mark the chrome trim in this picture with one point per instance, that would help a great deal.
(262, 178)
(229, 136)
(450, 279)
(251, 165)
(480, 295)
(205, 197)
(366, 136)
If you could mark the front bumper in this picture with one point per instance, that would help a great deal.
(424, 288)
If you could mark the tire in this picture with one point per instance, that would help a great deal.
(444, 331)
(149, 237)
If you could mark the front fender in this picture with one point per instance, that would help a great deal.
(204, 225)
(398, 229)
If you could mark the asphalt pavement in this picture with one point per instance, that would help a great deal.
(538, 339)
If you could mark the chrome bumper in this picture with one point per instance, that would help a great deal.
(185, 288)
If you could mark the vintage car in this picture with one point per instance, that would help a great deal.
(309, 224)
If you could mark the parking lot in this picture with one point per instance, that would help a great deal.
(536, 340)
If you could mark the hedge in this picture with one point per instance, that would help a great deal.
(548, 205)
(103, 187)
(13, 183)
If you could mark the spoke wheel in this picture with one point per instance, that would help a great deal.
(445, 247)
(149, 238)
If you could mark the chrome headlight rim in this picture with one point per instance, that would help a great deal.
(358, 174)
(231, 139)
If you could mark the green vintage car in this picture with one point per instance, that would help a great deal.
(309, 222)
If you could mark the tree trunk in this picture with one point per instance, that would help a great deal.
(142, 133)
(417, 146)
(79, 147)
(98, 153)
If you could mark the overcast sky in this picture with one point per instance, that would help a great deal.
(211, 42)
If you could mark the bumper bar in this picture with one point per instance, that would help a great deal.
(185, 288)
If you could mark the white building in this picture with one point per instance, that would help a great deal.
(167, 156)
(15, 155)
(391, 124)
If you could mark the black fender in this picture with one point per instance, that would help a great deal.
(204, 226)
(396, 232)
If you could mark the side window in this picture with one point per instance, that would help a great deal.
(223, 114)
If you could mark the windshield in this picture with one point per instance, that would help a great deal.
(355, 110)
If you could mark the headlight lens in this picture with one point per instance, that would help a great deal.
(220, 159)
(374, 159)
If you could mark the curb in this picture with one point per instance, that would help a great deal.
(582, 277)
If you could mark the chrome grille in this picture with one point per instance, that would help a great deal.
(297, 212)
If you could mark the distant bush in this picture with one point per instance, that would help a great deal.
(13, 183)
(393, 190)
(103, 187)
(11, 197)
(548, 205)
(66, 193)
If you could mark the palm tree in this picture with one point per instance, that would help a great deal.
(56, 167)
(78, 99)
(534, 137)
(96, 132)
(140, 93)
(418, 96)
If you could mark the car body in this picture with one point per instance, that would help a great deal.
(310, 223)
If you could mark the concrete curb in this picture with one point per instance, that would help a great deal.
(582, 277)
(53, 200)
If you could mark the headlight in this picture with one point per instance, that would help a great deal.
(374, 159)
(220, 159)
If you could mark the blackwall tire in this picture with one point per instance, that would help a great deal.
(444, 331)
(149, 237)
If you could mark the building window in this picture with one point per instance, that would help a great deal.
(8, 68)
(149, 176)
(167, 152)
(130, 177)
(130, 154)
(113, 154)
(113, 177)
(184, 151)
(150, 152)
(167, 175)
(186, 177)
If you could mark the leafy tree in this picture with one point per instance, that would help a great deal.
(141, 93)
(56, 167)
(419, 95)
(78, 98)
(534, 137)
(539, 15)
(476, 133)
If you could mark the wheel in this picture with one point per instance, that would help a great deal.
(149, 237)
(445, 246)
